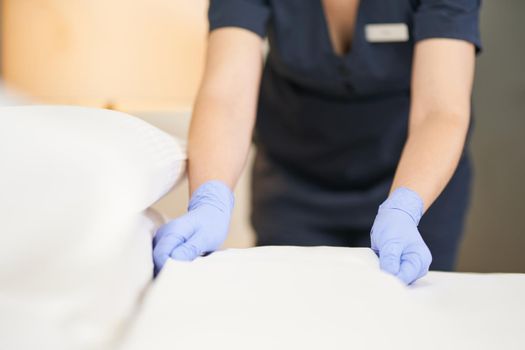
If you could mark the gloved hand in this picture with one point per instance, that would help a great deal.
(395, 237)
(202, 230)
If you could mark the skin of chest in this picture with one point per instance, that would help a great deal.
(341, 17)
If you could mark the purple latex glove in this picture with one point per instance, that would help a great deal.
(396, 239)
(201, 230)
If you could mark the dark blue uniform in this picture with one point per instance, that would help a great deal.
(330, 129)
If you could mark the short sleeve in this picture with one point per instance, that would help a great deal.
(252, 15)
(454, 19)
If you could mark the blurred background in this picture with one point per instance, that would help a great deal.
(145, 57)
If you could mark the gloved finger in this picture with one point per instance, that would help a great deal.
(410, 268)
(186, 252)
(197, 245)
(373, 244)
(163, 230)
(179, 233)
(390, 257)
(426, 260)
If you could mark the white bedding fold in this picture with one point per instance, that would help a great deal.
(75, 245)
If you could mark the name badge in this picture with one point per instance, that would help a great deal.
(386, 32)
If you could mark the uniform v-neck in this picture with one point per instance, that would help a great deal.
(328, 37)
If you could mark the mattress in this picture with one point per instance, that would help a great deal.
(324, 298)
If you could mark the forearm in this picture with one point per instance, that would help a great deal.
(431, 155)
(439, 116)
(225, 108)
(219, 141)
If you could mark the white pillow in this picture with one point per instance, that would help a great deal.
(75, 245)
(324, 298)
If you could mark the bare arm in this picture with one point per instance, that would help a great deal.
(441, 95)
(225, 109)
(220, 134)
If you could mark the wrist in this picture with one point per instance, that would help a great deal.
(215, 193)
(406, 200)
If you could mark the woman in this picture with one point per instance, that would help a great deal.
(357, 104)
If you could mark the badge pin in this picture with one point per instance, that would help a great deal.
(386, 32)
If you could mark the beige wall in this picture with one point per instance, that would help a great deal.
(132, 53)
(495, 238)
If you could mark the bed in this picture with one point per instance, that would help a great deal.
(324, 298)
(76, 267)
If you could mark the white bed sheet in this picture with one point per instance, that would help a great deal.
(324, 298)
